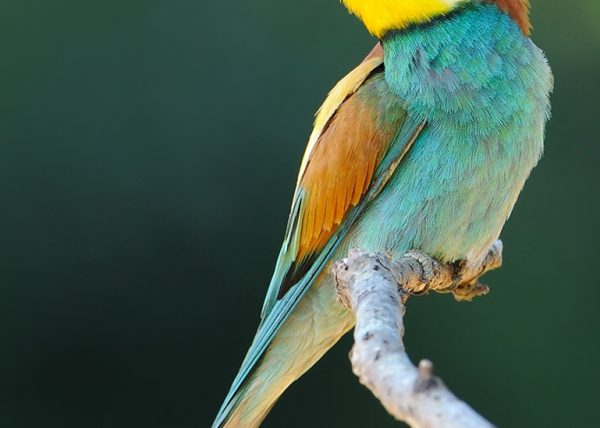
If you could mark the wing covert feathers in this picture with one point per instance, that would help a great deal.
(343, 161)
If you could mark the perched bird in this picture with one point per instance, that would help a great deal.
(425, 145)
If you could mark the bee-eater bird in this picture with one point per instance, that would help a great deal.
(425, 145)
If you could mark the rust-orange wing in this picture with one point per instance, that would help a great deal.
(342, 163)
(353, 131)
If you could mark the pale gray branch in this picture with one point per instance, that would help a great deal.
(376, 288)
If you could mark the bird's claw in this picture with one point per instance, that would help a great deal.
(467, 292)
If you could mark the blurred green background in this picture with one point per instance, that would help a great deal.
(148, 154)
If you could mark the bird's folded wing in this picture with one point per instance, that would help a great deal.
(354, 129)
(361, 133)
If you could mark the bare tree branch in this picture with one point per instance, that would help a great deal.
(376, 288)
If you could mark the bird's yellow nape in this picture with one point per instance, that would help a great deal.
(381, 16)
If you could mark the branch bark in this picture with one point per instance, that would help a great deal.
(376, 289)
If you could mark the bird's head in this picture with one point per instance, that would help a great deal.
(382, 16)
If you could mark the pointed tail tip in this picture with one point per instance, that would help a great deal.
(224, 414)
(240, 412)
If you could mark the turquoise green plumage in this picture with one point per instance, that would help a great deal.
(425, 145)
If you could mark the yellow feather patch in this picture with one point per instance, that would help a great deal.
(381, 16)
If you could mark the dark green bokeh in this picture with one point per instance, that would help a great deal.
(149, 152)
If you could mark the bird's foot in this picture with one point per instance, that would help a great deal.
(418, 273)
(458, 278)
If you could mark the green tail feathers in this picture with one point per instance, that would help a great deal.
(246, 379)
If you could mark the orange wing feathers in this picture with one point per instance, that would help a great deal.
(327, 172)
(340, 170)
(353, 130)
(349, 141)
